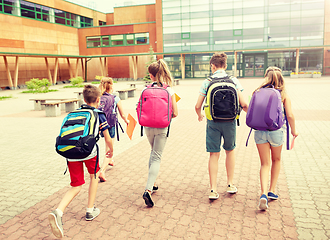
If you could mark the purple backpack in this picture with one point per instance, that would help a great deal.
(107, 104)
(265, 111)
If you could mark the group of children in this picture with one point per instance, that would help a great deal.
(269, 143)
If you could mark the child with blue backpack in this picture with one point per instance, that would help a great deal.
(269, 143)
(109, 104)
(92, 96)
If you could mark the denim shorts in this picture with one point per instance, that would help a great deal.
(217, 130)
(274, 138)
(112, 132)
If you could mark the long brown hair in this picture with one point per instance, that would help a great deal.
(273, 76)
(161, 72)
(106, 85)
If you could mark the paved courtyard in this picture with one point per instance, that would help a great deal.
(32, 180)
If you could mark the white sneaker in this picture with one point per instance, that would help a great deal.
(55, 222)
(92, 215)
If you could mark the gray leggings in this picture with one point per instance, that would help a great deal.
(157, 139)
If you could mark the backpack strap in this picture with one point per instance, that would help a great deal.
(247, 140)
(287, 131)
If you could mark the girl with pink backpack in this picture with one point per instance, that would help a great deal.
(269, 143)
(156, 107)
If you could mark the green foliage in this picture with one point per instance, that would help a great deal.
(38, 86)
(76, 82)
(5, 97)
(151, 60)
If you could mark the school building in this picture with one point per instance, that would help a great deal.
(58, 40)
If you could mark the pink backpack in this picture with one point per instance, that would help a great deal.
(154, 108)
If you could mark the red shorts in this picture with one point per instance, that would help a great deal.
(76, 170)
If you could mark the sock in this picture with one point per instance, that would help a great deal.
(59, 212)
(90, 210)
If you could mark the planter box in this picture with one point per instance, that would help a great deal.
(316, 75)
(294, 76)
(305, 75)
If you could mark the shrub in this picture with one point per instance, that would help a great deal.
(5, 97)
(77, 81)
(38, 86)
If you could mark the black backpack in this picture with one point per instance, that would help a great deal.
(222, 103)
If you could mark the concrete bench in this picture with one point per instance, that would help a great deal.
(38, 102)
(80, 97)
(53, 109)
(126, 93)
(176, 81)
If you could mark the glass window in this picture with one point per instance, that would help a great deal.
(93, 42)
(8, 6)
(185, 35)
(105, 41)
(141, 38)
(117, 40)
(130, 39)
(237, 32)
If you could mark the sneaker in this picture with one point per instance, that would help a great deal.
(213, 195)
(102, 177)
(272, 196)
(263, 202)
(111, 162)
(92, 215)
(55, 222)
(154, 188)
(231, 189)
(147, 199)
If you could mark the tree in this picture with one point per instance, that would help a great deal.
(151, 60)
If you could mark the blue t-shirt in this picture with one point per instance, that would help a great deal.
(218, 74)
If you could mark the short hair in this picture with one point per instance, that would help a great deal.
(91, 93)
(219, 59)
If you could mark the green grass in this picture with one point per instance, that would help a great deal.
(74, 86)
(40, 91)
(5, 97)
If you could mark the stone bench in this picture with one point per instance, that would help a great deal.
(53, 109)
(176, 81)
(39, 102)
(126, 93)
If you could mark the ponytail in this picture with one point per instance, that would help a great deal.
(106, 85)
(161, 72)
(273, 76)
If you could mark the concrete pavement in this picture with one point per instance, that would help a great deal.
(32, 181)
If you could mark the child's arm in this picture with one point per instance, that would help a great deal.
(290, 116)
(198, 107)
(242, 101)
(108, 142)
(121, 112)
(174, 107)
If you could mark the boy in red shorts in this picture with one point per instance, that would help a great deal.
(92, 96)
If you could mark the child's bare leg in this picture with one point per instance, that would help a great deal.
(92, 191)
(276, 167)
(230, 166)
(213, 169)
(105, 164)
(264, 154)
(68, 197)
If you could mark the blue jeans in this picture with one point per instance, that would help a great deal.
(157, 139)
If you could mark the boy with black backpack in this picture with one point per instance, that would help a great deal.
(222, 106)
(74, 145)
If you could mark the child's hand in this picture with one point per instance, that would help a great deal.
(109, 153)
(294, 133)
(200, 117)
(126, 121)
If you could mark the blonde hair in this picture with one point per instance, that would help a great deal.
(273, 76)
(106, 85)
(161, 72)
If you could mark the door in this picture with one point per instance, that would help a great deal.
(254, 65)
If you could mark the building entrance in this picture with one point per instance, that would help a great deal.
(254, 65)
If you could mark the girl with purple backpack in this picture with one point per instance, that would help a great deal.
(109, 104)
(269, 143)
(162, 78)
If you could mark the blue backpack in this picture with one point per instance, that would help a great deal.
(79, 133)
